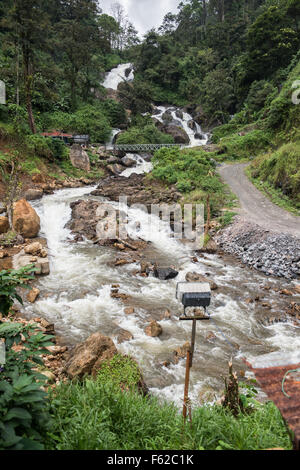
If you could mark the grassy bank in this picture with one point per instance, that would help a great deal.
(193, 172)
(97, 416)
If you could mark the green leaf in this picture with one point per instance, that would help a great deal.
(19, 413)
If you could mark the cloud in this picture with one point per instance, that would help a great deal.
(144, 14)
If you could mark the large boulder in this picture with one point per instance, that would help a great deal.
(88, 356)
(4, 225)
(79, 158)
(178, 133)
(25, 219)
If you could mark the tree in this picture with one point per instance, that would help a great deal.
(27, 22)
(78, 40)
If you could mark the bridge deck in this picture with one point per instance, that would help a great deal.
(143, 147)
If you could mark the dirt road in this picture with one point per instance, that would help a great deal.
(255, 207)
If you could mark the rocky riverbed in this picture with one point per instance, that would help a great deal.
(274, 254)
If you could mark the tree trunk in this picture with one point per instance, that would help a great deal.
(28, 75)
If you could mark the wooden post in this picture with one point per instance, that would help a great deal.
(207, 215)
(193, 342)
(186, 385)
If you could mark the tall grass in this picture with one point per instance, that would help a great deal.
(98, 416)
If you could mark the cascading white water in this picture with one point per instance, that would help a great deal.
(76, 297)
(117, 75)
(109, 144)
(183, 122)
(141, 167)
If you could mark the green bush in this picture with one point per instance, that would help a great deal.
(148, 134)
(87, 119)
(24, 415)
(98, 416)
(246, 144)
(9, 281)
(120, 370)
(281, 169)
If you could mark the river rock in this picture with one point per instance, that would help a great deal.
(25, 219)
(34, 248)
(178, 133)
(165, 273)
(128, 162)
(124, 336)
(129, 310)
(180, 352)
(115, 169)
(153, 329)
(88, 356)
(33, 295)
(192, 125)
(79, 158)
(4, 224)
(197, 277)
(33, 194)
(179, 113)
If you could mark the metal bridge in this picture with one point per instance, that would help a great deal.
(143, 147)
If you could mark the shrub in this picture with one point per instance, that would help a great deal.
(98, 416)
(24, 416)
(148, 134)
(246, 145)
(281, 169)
(87, 119)
(9, 281)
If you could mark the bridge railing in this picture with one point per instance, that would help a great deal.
(143, 147)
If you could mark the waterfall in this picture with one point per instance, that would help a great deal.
(117, 75)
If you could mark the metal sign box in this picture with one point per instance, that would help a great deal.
(193, 294)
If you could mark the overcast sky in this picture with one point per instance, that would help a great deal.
(144, 14)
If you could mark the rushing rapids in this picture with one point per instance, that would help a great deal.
(76, 296)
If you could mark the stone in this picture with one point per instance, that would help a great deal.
(129, 162)
(210, 336)
(153, 329)
(165, 273)
(297, 288)
(33, 194)
(196, 277)
(25, 219)
(33, 249)
(33, 295)
(129, 310)
(179, 135)
(181, 352)
(88, 356)
(166, 315)
(124, 336)
(286, 292)
(115, 169)
(4, 224)
(79, 158)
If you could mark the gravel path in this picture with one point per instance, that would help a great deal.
(255, 207)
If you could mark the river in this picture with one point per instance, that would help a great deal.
(76, 298)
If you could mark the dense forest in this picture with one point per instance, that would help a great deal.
(233, 66)
(223, 56)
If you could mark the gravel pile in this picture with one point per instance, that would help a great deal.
(272, 253)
